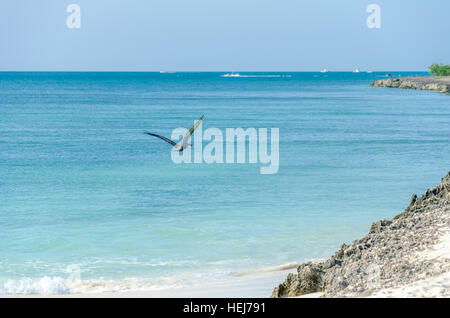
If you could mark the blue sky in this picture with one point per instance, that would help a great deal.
(223, 35)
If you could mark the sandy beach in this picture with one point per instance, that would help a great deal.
(256, 285)
(435, 286)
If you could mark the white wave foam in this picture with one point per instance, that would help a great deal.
(58, 285)
(44, 285)
(74, 285)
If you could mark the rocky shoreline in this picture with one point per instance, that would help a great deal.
(433, 83)
(392, 254)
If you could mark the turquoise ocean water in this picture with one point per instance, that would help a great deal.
(84, 191)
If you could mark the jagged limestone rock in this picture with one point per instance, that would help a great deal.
(385, 257)
(434, 83)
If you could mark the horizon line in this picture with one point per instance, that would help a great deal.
(193, 71)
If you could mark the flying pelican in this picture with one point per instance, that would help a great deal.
(184, 143)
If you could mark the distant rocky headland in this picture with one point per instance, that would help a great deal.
(434, 83)
(394, 253)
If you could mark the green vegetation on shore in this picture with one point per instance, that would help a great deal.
(440, 69)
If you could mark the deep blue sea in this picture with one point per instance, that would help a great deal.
(90, 203)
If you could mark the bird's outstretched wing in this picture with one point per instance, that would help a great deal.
(162, 137)
(191, 131)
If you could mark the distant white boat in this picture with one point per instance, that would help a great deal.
(231, 75)
(324, 71)
(356, 70)
(166, 72)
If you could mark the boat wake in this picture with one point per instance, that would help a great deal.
(255, 76)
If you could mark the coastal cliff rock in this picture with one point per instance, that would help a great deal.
(439, 84)
(388, 256)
